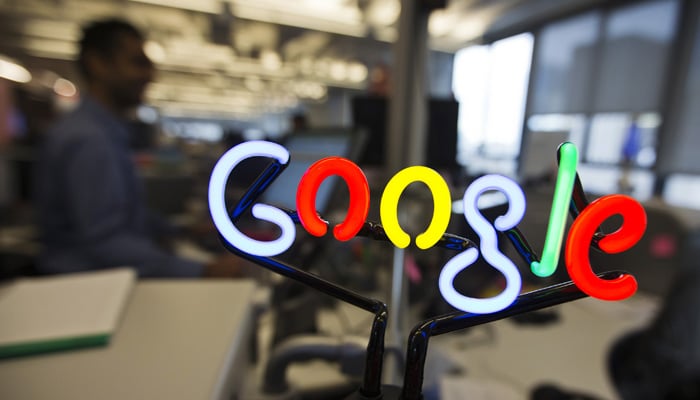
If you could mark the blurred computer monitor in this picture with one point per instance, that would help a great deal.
(168, 194)
(539, 154)
(372, 114)
(305, 148)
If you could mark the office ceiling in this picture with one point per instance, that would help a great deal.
(238, 58)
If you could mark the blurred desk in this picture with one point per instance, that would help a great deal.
(177, 340)
(505, 360)
(689, 218)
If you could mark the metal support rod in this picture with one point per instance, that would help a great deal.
(408, 105)
(420, 335)
(371, 385)
(397, 304)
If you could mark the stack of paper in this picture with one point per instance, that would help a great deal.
(62, 312)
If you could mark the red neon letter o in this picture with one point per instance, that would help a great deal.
(577, 259)
(359, 197)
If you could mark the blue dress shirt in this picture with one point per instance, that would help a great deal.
(90, 204)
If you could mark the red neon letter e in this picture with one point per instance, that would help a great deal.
(359, 197)
(577, 259)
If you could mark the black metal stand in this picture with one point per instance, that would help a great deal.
(423, 331)
(371, 387)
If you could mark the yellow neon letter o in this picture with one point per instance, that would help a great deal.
(390, 201)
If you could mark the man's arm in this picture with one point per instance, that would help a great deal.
(99, 192)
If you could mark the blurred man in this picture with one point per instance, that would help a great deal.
(90, 202)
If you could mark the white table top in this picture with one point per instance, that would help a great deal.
(508, 361)
(177, 340)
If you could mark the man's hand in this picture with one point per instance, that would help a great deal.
(225, 266)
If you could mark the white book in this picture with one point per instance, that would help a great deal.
(62, 312)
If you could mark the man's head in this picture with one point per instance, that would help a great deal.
(114, 64)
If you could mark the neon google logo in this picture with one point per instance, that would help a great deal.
(578, 241)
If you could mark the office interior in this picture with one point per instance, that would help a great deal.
(466, 87)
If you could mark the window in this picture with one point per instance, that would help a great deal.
(600, 78)
(614, 135)
(634, 57)
(490, 83)
(564, 65)
(681, 161)
(683, 190)
(684, 131)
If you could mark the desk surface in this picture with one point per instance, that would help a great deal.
(571, 353)
(177, 340)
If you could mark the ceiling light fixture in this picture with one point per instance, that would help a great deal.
(333, 18)
(12, 71)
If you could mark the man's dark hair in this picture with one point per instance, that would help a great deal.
(102, 37)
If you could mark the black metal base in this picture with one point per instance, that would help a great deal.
(389, 392)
